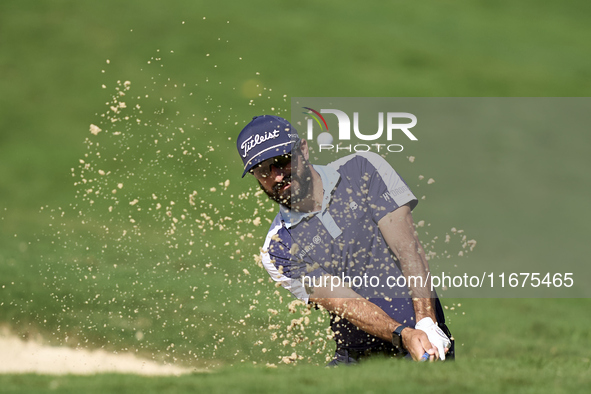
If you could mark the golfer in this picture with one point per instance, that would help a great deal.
(344, 239)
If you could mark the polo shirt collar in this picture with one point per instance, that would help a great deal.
(330, 177)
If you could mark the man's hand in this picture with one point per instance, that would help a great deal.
(436, 336)
(417, 343)
(366, 315)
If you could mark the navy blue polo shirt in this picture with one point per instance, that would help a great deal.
(342, 239)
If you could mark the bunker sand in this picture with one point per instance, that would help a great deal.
(18, 356)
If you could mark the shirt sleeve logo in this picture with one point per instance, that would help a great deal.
(390, 195)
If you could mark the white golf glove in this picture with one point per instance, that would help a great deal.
(435, 335)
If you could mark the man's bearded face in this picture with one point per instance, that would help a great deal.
(285, 179)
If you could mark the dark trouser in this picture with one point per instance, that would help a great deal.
(351, 356)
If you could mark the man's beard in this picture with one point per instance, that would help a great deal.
(304, 181)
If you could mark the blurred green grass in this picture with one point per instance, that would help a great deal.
(52, 58)
(526, 374)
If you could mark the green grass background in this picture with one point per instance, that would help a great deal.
(183, 296)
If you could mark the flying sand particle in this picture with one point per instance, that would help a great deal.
(94, 129)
